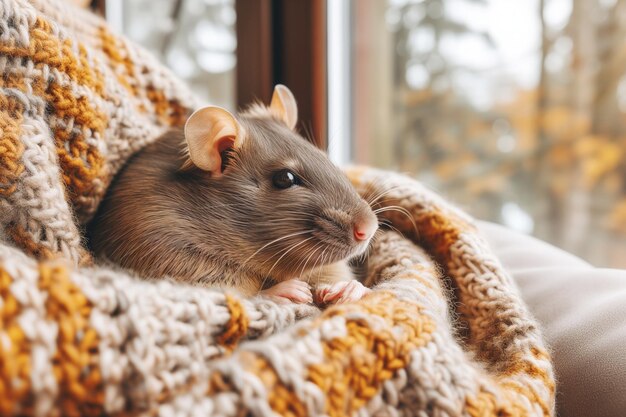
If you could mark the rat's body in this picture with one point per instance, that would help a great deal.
(274, 210)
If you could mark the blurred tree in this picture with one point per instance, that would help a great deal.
(426, 107)
(555, 152)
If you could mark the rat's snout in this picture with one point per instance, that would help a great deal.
(365, 227)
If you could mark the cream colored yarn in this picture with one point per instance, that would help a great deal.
(75, 102)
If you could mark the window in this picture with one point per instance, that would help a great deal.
(196, 39)
(514, 110)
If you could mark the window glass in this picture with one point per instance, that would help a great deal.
(513, 109)
(196, 39)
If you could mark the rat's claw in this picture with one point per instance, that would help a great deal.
(341, 292)
(292, 290)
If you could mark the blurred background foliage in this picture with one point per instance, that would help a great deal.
(195, 38)
(513, 109)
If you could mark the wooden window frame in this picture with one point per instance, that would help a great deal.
(284, 42)
(280, 42)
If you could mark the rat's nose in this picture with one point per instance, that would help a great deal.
(365, 229)
(359, 234)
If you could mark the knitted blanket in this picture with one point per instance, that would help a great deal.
(449, 337)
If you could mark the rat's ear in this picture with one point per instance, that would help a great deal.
(284, 105)
(209, 132)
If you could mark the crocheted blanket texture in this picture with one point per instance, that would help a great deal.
(443, 333)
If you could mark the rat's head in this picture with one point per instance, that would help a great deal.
(285, 206)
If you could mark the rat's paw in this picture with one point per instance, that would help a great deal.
(341, 292)
(292, 290)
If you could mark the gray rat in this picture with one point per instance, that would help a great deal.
(242, 202)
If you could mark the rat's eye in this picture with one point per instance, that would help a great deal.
(284, 179)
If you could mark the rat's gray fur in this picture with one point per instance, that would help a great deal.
(236, 230)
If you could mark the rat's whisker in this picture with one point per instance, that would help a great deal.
(329, 255)
(322, 259)
(371, 186)
(303, 261)
(387, 208)
(313, 251)
(400, 210)
(285, 221)
(389, 224)
(271, 243)
(320, 270)
(269, 274)
(381, 194)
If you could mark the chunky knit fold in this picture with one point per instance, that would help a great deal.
(443, 333)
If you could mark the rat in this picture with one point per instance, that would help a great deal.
(238, 202)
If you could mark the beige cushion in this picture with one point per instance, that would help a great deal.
(583, 312)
